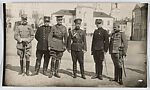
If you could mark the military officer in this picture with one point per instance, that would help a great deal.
(57, 41)
(78, 47)
(117, 49)
(24, 34)
(99, 48)
(42, 46)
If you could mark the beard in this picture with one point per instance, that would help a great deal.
(77, 27)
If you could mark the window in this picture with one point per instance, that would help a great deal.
(70, 20)
(108, 22)
(79, 12)
(85, 24)
(124, 27)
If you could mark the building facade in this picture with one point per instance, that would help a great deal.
(139, 24)
(88, 16)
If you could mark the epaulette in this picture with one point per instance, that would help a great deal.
(121, 31)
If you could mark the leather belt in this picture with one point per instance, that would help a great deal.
(59, 38)
(77, 42)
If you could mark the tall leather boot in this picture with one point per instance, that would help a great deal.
(37, 68)
(100, 71)
(116, 74)
(82, 71)
(56, 69)
(74, 70)
(45, 66)
(21, 68)
(96, 72)
(27, 68)
(52, 69)
(120, 76)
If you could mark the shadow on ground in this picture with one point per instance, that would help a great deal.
(17, 68)
(136, 70)
(87, 73)
(67, 71)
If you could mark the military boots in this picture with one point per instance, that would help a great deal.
(27, 68)
(21, 66)
(82, 71)
(56, 69)
(52, 69)
(37, 67)
(96, 72)
(120, 77)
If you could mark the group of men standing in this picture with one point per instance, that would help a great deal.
(52, 41)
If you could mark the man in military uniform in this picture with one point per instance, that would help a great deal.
(17, 23)
(24, 34)
(57, 41)
(42, 46)
(117, 49)
(99, 48)
(78, 47)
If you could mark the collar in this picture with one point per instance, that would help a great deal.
(100, 28)
(46, 26)
(24, 23)
(58, 24)
(117, 31)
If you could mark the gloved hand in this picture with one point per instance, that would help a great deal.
(24, 43)
(49, 48)
(124, 54)
(69, 50)
(84, 51)
(91, 52)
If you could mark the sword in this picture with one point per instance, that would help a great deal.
(124, 58)
(24, 61)
(105, 64)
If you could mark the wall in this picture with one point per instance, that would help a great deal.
(86, 14)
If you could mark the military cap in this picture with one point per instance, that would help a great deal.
(24, 16)
(78, 20)
(46, 19)
(59, 17)
(98, 21)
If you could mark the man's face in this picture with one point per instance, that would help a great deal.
(46, 23)
(24, 20)
(117, 28)
(77, 25)
(59, 21)
(99, 25)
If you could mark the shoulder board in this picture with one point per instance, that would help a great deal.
(121, 31)
(81, 29)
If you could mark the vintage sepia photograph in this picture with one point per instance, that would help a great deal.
(75, 44)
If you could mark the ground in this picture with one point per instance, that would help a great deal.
(134, 65)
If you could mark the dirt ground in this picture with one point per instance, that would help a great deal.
(135, 68)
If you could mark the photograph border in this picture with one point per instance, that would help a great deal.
(2, 63)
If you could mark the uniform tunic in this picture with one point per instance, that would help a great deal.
(118, 39)
(78, 38)
(42, 37)
(100, 40)
(57, 39)
(24, 32)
